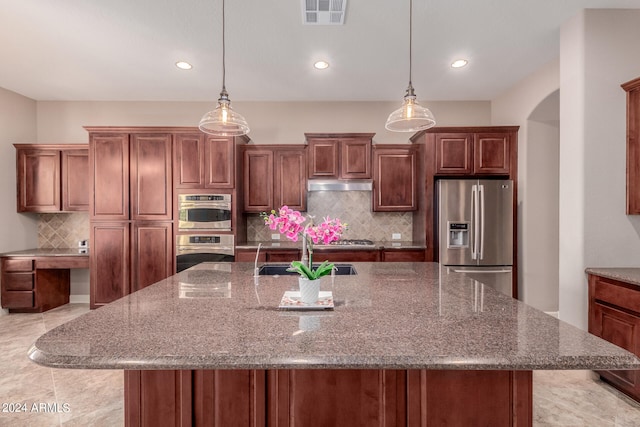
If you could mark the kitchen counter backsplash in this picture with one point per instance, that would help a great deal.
(352, 207)
(62, 230)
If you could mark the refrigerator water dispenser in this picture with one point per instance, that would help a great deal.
(458, 234)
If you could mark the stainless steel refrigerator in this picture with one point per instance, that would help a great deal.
(475, 229)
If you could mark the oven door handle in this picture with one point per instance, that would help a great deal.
(223, 250)
(205, 205)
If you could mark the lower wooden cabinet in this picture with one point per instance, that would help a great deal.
(127, 256)
(346, 255)
(331, 397)
(403, 255)
(614, 315)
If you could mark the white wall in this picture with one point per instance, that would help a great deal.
(598, 52)
(529, 104)
(17, 124)
(270, 122)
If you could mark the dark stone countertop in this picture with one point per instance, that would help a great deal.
(388, 316)
(629, 275)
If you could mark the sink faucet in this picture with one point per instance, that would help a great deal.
(255, 264)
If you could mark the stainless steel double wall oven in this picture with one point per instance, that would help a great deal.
(204, 229)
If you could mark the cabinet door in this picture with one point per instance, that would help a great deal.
(150, 168)
(152, 253)
(290, 179)
(623, 330)
(395, 179)
(109, 164)
(258, 180)
(356, 159)
(220, 159)
(342, 397)
(491, 153)
(188, 160)
(109, 262)
(323, 158)
(75, 183)
(454, 154)
(38, 175)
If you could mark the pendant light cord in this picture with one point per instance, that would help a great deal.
(224, 89)
(410, 38)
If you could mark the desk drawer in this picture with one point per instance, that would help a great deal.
(17, 299)
(615, 293)
(18, 264)
(18, 281)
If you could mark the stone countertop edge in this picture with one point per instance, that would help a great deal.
(396, 315)
(44, 252)
(629, 275)
(286, 244)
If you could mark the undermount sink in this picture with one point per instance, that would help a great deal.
(281, 270)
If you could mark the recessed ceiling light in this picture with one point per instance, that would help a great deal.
(184, 65)
(321, 65)
(459, 63)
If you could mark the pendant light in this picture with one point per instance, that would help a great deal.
(411, 117)
(223, 121)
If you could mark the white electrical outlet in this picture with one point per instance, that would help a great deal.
(83, 244)
(396, 236)
(275, 237)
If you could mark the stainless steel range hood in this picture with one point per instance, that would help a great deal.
(340, 185)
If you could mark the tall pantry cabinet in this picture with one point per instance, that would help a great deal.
(130, 211)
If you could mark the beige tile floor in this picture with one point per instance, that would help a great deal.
(95, 398)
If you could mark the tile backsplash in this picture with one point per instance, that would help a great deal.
(62, 230)
(352, 207)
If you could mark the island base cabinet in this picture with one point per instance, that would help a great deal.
(339, 397)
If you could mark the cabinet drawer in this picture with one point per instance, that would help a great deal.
(400, 255)
(17, 299)
(18, 281)
(17, 264)
(616, 293)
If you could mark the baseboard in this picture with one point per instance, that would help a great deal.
(79, 299)
(555, 314)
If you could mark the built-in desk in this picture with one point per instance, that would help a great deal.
(37, 280)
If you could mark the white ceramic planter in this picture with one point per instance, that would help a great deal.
(309, 290)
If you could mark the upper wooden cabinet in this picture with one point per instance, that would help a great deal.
(633, 146)
(339, 156)
(473, 153)
(274, 176)
(52, 178)
(395, 178)
(205, 161)
(131, 176)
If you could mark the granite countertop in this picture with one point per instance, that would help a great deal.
(40, 252)
(288, 244)
(388, 316)
(629, 275)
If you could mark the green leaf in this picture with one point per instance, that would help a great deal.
(324, 269)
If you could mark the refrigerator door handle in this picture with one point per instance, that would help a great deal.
(481, 231)
(484, 270)
(474, 221)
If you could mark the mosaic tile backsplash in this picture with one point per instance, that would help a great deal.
(352, 207)
(62, 230)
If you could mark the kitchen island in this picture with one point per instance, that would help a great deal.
(406, 344)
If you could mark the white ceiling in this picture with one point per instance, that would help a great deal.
(126, 49)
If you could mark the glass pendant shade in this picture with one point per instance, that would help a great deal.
(411, 117)
(223, 120)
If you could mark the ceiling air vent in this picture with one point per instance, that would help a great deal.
(323, 12)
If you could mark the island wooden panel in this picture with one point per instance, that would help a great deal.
(331, 397)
